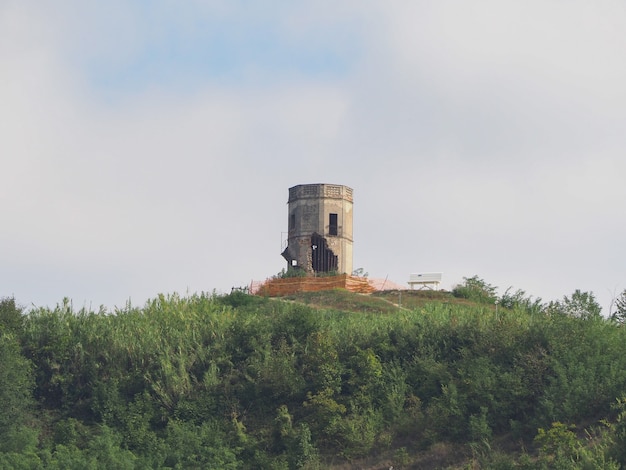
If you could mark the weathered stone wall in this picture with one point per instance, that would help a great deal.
(310, 209)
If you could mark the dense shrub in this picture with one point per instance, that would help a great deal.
(246, 382)
(475, 289)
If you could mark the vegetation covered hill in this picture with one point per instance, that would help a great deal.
(319, 380)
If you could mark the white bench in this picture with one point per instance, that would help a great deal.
(425, 280)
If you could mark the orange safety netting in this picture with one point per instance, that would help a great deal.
(279, 287)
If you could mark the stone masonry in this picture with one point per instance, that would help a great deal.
(320, 228)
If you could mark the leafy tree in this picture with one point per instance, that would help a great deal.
(580, 305)
(103, 451)
(303, 454)
(519, 299)
(445, 415)
(10, 315)
(619, 431)
(557, 443)
(245, 382)
(16, 384)
(204, 446)
(620, 308)
(25, 460)
(560, 448)
(475, 289)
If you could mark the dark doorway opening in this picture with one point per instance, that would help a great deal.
(323, 260)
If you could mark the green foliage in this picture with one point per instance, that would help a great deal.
(519, 300)
(343, 300)
(619, 315)
(559, 447)
(103, 451)
(10, 315)
(445, 414)
(203, 446)
(303, 454)
(16, 386)
(240, 381)
(579, 304)
(238, 299)
(291, 272)
(402, 457)
(479, 429)
(360, 272)
(586, 370)
(475, 289)
(396, 391)
(557, 442)
(618, 450)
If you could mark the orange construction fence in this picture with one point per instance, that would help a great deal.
(285, 286)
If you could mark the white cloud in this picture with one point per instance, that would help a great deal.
(480, 138)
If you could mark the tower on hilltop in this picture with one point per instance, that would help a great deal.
(320, 228)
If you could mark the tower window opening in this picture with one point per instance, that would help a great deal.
(332, 225)
(292, 222)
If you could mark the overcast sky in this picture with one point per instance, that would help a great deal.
(148, 146)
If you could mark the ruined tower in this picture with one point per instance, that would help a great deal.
(320, 228)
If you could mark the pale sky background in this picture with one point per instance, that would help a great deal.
(148, 146)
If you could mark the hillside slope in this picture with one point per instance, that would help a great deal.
(321, 380)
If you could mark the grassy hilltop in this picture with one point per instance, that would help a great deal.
(411, 379)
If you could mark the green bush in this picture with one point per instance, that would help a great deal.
(475, 289)
(245, 382)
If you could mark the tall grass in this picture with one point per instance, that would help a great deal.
(360, 375)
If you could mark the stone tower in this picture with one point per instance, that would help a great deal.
(320, 228)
